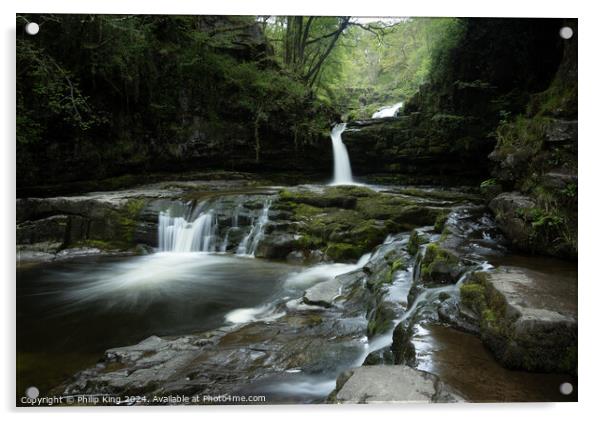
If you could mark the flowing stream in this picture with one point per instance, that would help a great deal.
(70, 312)
(203, 277)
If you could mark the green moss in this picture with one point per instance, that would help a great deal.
(414, 242)
(473, 296)
(104, 245)
(446, 232)
(433, 257)
(343, 251)
(478, 295)
(380, 320)
(306, 211)
(128, 220)
(569, 360)
(440, 194)
(331, 197)
(398, 264)
(382, 206)
(440, 222)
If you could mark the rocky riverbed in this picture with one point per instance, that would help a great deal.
(343, 294)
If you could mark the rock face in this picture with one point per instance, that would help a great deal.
(531, 228)
(511, 214)
(391, 384)
(527, 319)
(535, 161)
(418, 147)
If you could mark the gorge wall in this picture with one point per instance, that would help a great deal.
(447, 129)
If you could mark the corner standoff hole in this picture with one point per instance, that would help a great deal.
(32, 28)
(566, 32)
(32, 392)
(566, 388)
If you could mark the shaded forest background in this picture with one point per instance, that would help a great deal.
(104, 95)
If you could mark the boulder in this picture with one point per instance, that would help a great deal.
(528, 319)
(325, 293)
(440, 266)
(391, 384)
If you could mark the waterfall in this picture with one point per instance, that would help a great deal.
(249, 244)
(176, 234)
(387, 111)
(342, 166)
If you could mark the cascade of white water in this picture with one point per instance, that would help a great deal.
(176, 234)
(387, 111)
(342, 166)
(249, 244)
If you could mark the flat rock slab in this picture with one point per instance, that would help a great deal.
(392, 384)
(535, 324)
(533, 294)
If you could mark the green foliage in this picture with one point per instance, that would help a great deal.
(370, 65)
(124, 88)
(488, 183)
(383, 71)
(522, 133)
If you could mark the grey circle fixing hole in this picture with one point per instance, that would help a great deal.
(32, 392)
(32, 28)
(566, 32)
(566, 388)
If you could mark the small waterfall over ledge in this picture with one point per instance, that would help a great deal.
(249, 244)
(198, 229)
(342, 166)
(176, 234)
(387, 111)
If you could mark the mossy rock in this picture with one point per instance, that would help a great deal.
(344, 197)
(439, 266)
(343, 252)
(380, 320)
(415, 241)
(520, 337)
(440, 222)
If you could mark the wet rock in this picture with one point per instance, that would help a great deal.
(276, 245)
(528, 319)
(440, 266)
(380, 357)
(392, 384)
(561, 131)
(415, 241)
(403, 349)
(558, 180)
(295, 257)
(452, 312)
(325, 293)
(510, 210)
(138, 368)
(47, 230)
